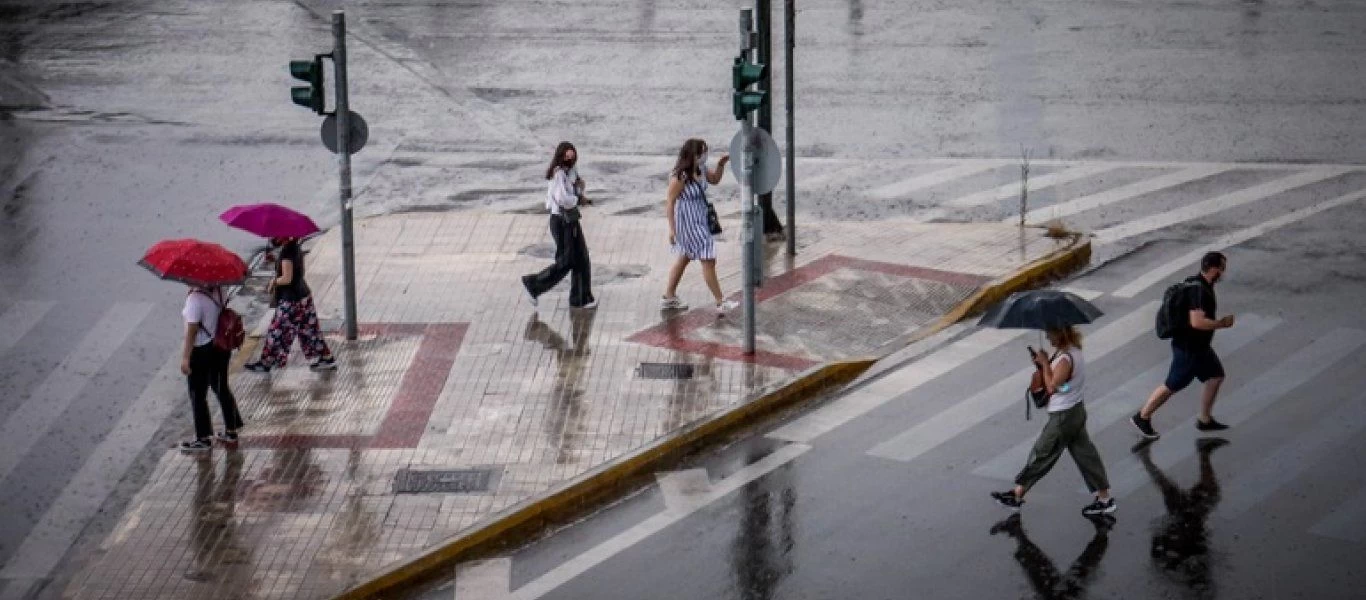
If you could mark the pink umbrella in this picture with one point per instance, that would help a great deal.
(269, 220)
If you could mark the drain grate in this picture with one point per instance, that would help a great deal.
(649, 370)
(409, 481)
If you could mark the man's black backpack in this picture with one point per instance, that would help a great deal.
(1174, 314)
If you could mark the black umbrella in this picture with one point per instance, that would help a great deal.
(1040, 309)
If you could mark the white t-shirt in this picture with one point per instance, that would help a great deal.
(560, 193)
(201, 309)
(1070, 393)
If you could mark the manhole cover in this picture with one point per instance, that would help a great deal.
(409, 481)
(664, 371)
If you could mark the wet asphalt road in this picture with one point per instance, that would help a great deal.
(126, 122)
(894, 502)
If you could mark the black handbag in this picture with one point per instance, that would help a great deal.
(713, 221)
(570, 215)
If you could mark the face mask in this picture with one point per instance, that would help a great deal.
(702, 161)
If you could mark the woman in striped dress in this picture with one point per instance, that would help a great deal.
(689, 234)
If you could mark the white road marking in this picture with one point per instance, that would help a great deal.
(1307, 450)
(1119, 403)
(1347, 522)
(580, 564)
(905, 380)
(1012, 190)
(87, 490)
(1119, 194)
(484, 579)
(1143, 282)
(683, 489)
(1235, 409)
(18, 320)
(55, 394)
(1210, 206)
(901, 189)
(960, 417)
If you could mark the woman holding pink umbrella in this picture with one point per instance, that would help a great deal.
(295, 314)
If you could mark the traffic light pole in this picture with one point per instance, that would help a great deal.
(344, 162)
(749, 236)
(789, 37)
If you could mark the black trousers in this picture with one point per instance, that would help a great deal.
(209, 370)
(571, 257)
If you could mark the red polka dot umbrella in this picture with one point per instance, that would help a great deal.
(195, 263)
(269, 220)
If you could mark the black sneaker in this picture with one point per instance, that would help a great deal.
(1008, 499)
(196, 446)
(256, 367)
(1210, 425)
(1144, 426)
(227, 437)
(1099, 507)
(324, 364)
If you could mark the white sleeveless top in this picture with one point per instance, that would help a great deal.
(1070, 393)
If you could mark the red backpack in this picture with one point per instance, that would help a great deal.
(229, 333)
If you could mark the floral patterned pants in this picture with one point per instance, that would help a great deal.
(292, 318)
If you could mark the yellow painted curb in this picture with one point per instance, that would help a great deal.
(525, 520)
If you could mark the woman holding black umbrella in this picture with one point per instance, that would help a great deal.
(1064, 379)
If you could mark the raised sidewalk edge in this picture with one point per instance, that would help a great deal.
(571, 498)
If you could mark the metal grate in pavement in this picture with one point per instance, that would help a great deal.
(650, 370)
(410, 481)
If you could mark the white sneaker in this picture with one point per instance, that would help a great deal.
(672, 304)
(726, 306)
(590, 305)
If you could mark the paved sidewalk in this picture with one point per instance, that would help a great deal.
(454, 371)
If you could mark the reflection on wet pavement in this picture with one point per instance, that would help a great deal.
(1180, 544)
(1043, 575)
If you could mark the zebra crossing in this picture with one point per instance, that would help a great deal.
(1277, 386)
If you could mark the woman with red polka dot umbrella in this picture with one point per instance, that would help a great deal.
(205, 267)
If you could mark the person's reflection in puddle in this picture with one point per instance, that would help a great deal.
(214, 528)
(1181, 542)
(566, 412)
(1048, 582)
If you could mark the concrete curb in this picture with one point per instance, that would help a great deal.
(525, 520)
(572, 498)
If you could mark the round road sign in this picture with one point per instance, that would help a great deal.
(768, 160)
(360, 132)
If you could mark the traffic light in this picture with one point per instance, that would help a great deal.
(743, 75)
(310, 96)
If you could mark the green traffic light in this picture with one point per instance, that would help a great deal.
(743, 75)
(312, 95)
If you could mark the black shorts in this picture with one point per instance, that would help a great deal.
(1189, 365)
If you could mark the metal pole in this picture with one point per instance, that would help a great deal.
(344, 162)
(763, 22)
(747, 190)
(789, 36)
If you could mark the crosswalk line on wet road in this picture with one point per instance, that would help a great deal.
(967, 413)
(32, 421)
(1116, 405)
(1347, 522)
(1293, 459)
(1210, 206)
(87, 490)
(1012, 190)
(1238, 407)
(900, 189)
(1071, 207)
(483, 579)
(19, 319)
(581, 563)
(1138, 284)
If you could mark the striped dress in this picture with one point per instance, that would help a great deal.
(692, 235)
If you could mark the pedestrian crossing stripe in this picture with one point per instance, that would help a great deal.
(1118, 404)
(1119, 194)
(18, 320)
